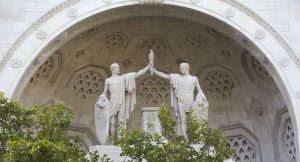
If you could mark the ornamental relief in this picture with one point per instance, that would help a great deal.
(114, 42)
(159, 45)
(257, 73)
(194, 43)
(153, 91)
(87, 83)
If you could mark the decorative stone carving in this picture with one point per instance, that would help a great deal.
(284, 62)
(195, 43)
(48, 70)
(243, 148)
(150, 119)
(258, 74)
(260, 70)
(158, 45)
(87, 85)
(115, 41)
(218, 35)
(154, 91)
(16, 63)
(244, 142)
(225, 53)
(289, 141)
(41, 34)
(151, 2)
(72, 13)
(229, 13)
(219, 84)
(260, 34)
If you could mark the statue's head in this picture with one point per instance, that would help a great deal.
(115, 68)
(184, 68)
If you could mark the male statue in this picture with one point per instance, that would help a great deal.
(182, 96)
(122, 90)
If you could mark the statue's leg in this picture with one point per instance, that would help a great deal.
(112, 128)
(182, 122)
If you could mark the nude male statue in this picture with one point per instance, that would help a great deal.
(122, 90)
(182, 96)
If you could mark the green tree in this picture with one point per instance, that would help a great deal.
(169, 147)
(38, 134)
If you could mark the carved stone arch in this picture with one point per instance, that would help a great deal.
(17, 61)
(243, 142)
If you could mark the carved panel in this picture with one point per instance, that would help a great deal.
(157, 44)
(48, 70)
(289, 141)
(87, 85)
(219, 84)
(260, 71)
(243, 148)
(153, 91)
(258, 74)
(194, 43)
(115, 41)
(87, 82)
(244, 142)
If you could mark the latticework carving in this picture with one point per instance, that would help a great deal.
(219, 84)
(289, 141)
(114, 41)
(157, 44)
(87, 85)
(154, 91)
(243, 148)
(195, 43)
(44, 70)
(260, 71)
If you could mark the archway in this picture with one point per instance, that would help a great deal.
(61, 25)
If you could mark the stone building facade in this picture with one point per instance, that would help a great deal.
(246, 54)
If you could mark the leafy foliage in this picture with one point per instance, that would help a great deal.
(153, 147)
(37, 135)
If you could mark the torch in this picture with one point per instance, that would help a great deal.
(151, 58)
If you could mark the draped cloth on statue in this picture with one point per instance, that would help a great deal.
(120, 104)
(199, 106)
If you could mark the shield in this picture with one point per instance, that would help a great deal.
(102, 115)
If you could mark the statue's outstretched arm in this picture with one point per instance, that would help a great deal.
(161, 74)
(143, 71)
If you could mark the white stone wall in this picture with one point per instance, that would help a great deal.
(284, 15)
(17, 15)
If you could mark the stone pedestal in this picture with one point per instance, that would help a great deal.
(150, 119)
